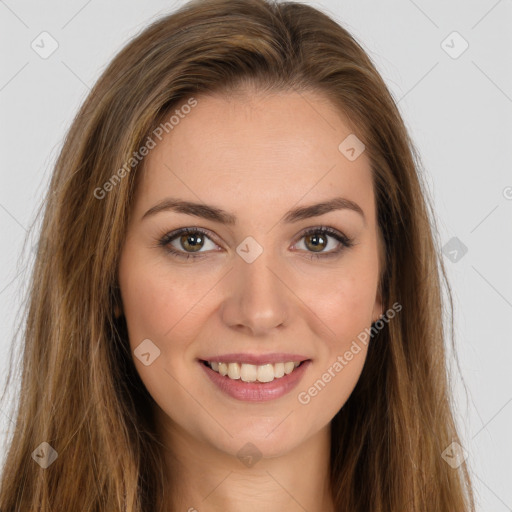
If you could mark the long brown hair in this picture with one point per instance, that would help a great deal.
(80, 391)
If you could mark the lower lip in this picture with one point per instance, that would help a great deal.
(257, 391)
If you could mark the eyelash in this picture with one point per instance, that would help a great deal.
(345, 242)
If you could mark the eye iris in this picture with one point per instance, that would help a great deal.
(195, 241)
(315, 238)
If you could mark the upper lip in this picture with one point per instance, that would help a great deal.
(257, 359)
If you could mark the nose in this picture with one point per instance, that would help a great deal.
(257, 299)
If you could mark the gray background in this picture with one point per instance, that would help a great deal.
(459, 113)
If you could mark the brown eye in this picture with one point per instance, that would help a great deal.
(188, 243)
(316, 242)
(192, 242)
(324, 242)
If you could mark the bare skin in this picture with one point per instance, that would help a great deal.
(256, 157)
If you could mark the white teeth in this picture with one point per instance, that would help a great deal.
(252, 373)
(266, 373)
(249, 373)
(234, 371)
(288, 367)
(223, 369)
(278, 370)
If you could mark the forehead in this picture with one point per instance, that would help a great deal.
(255, 152)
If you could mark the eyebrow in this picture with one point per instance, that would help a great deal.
(218, 215)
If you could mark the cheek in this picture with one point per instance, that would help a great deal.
(156, 303)
(161, 307)
(329, 388)
(343, 300)
(352, 300)
(346, 311)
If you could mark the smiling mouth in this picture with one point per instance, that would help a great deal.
(253, 373)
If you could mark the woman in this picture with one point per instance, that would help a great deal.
(236, 301)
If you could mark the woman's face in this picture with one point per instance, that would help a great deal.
(259, 284)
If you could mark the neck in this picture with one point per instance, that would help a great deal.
(204, 479)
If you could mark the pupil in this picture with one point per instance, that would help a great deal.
(192, 240)
(316, 243)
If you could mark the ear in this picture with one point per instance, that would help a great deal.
(117, 311)
(118, 308)
(378, 309)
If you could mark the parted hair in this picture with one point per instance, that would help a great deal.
(79, 390)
